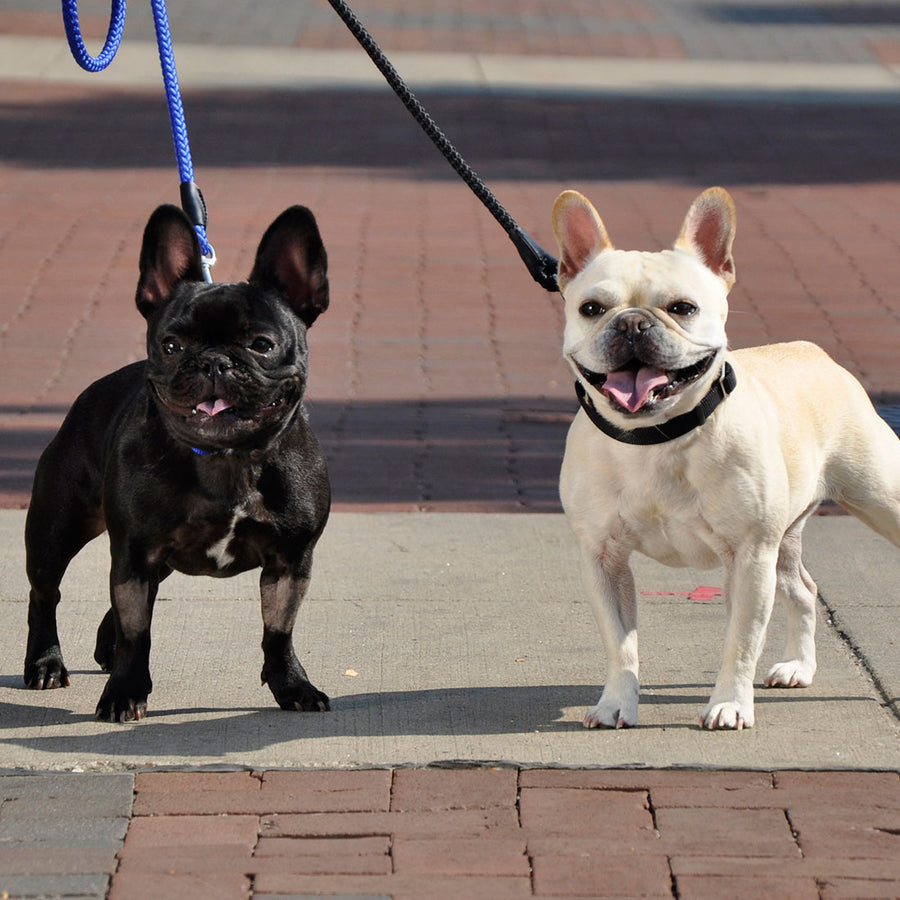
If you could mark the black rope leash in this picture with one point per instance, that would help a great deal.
(541, 264)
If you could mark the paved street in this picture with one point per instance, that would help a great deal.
(452, 636)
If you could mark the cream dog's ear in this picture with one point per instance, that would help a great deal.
(579, 232)
(708, 232)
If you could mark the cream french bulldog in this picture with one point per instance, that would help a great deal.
(697, 456)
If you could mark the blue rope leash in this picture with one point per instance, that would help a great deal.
(191, 198)
(76, 42)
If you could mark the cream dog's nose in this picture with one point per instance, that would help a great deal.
(632, 324)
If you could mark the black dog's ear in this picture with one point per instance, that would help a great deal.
(170, 254)
(291, 259)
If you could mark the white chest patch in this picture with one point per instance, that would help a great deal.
(218, 552)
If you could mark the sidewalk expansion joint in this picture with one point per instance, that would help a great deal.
(888, 702)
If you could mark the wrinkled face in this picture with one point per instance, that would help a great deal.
(227, 364)
(644, 328)
(645, 332)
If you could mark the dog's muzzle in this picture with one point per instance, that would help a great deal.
(633, 386)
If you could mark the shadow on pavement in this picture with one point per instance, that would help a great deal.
(504, 454)
(449, 711)
(407, 453)
(514, 136)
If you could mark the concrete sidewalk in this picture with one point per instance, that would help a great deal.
(463, 637)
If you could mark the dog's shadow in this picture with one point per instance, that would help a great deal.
(204, 732)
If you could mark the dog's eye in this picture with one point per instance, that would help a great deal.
(262, 345)
(590, 309)
(171, 346)
(682, 308)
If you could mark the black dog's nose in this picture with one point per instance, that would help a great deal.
(633, 324)
(215, 364)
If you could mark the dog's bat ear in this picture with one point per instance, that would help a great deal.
(708, 232)
(579, 232)
(170, 254)
(291, 259)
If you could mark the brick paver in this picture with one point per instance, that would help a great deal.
(807, 30)
(60, 833)
(479, 832)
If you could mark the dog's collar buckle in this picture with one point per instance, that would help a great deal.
(667, 431)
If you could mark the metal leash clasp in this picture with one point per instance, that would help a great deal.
(207, 262)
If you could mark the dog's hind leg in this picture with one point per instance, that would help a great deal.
(865, 478)
(44, 666)
(799, 592)
(105, 646)
(55, 530)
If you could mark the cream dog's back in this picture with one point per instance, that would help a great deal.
(829, 426)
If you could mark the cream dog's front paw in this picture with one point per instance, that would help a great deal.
(728, 715)
(617, 706)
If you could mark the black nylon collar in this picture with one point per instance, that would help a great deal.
(668, 431)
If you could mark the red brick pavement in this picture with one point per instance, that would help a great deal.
(502, 832)
(436, 376)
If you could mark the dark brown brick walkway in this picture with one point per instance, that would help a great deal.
(499, 833)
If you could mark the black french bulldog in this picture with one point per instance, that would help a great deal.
(199, 459)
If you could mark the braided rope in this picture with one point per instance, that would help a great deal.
(421, 115)
(192, 199)
(176, 109)
(76, 42)
(541, 264)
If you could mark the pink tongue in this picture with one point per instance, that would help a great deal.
(631, 389)
(213, 407)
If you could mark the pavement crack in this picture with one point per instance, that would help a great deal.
(676, 894)
(794, 833)
(887, 701)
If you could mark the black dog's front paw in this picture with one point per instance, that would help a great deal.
(304, 697)
(286, 677)
(295, 692)
(122, 700)
(47, 671)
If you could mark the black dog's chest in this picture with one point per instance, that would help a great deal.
(221, 544)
